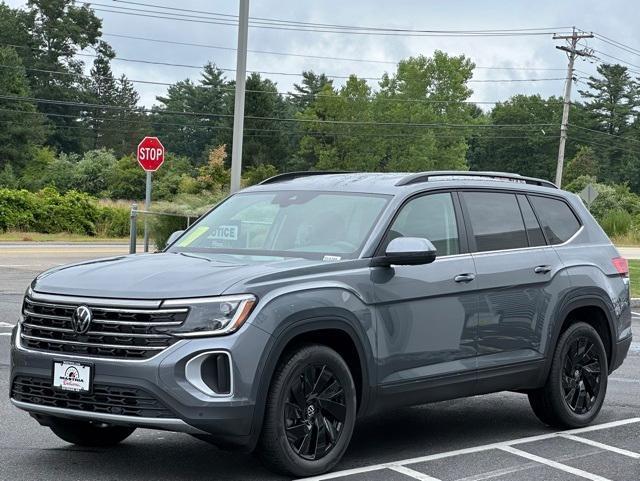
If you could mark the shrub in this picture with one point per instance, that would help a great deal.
(16, 209)
(73, 212)
(617, 223)
(113, 221)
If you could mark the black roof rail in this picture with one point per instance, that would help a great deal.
(295, 175)
(426, 176)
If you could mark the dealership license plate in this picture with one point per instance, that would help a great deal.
(71, 376)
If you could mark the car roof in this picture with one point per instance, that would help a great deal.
(394, 183)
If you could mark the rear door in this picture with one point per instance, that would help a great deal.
(514, 269)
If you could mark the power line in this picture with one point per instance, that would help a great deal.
(264, 72)
(276, 119)
(319, 57)
(266, 25)
(618, 137)
(608, 146)
(295, 22)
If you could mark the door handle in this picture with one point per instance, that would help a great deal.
(464, 277)
(542, 269)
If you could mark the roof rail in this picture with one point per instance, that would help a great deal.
(295, 175)
(426, 176)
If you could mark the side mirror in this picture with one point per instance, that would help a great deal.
(174, 236)
(407, 251)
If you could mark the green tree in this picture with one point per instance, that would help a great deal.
(584, 162)
(517, 142)
(21, 128)
(58, 30)
(312, 84)
(188, 120)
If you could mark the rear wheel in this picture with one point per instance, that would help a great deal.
(86, 433)
(575, 390)
(310, 413)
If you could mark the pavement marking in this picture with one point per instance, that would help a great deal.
(6, 324)
(5, 333)
(606, 447)
(622, 379)
(412, 473)
(553, 464)
(474, 449)
(635, 313)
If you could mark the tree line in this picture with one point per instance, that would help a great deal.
(63, 127)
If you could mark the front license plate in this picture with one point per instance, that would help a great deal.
(71, 376)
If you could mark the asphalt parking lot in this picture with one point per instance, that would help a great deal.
(493, 437)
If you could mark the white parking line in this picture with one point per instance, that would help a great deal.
(474, 449)
(5, 333)
(6, 324)
(606, 447)
(412, 473)
(553, 464)
(637, 314)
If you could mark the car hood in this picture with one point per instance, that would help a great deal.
(158, 276)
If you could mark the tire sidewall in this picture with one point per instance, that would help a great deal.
(311, 356)
(571, 335)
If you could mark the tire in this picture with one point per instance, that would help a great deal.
(85, 433)
(577, 384)
(312, 398)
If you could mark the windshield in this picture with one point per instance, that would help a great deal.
(317, 225)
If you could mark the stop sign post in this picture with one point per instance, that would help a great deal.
(150, 155)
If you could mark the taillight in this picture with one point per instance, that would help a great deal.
(622, 266)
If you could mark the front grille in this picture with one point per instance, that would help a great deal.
(104, 399)
(114, 332)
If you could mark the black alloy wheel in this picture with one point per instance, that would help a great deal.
(576, 385)
(310, 412)
(314, 412)
(581, 375)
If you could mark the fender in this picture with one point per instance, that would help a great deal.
(581, 297)
(300, 323)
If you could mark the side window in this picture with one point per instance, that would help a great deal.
(495, 220)
(534, 232)
(431, 217)
(557, 219)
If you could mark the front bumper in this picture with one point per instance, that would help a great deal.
(226, 419)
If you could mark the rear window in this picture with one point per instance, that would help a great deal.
(495, 220)
(558, 221)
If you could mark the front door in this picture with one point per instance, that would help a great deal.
(427, 314)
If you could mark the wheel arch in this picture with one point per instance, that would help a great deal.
(334, 327)
(591, 306)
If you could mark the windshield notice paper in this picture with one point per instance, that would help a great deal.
(71, 376)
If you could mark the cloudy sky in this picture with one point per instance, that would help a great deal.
(614, 18)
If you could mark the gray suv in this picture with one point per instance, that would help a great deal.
(300, 304)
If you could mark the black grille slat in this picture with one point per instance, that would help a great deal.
(119, 333)
(104, 398)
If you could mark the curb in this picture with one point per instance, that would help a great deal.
(635, 302)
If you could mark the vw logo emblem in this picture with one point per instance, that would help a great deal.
(81, 319)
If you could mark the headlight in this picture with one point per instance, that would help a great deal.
(213, 316)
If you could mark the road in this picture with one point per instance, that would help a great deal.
(423, 442)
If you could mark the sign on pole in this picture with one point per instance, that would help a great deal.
(150, 155)
(589, 194)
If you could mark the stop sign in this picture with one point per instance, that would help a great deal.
(150, 154)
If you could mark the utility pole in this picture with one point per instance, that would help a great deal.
(572, 51)
(238, 111)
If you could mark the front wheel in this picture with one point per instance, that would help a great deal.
(575, 390)
(85, 433)
(310, 413)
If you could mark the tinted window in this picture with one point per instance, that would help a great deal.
(557, 219)
(534, 232)
(430, 217)
(495, 220)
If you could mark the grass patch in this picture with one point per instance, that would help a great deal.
(16, 236)
(634, 275)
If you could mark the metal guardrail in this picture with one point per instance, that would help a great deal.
(133, 228)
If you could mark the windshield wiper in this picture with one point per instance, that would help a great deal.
(208, 259)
